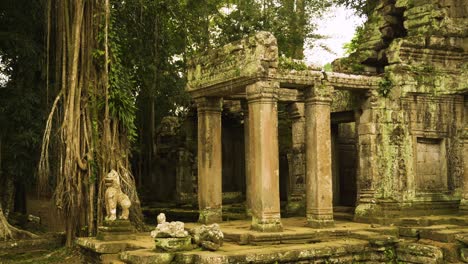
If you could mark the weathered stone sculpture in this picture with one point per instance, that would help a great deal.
(170, 236)
(114, 196)
(165, 229)
(209, 237)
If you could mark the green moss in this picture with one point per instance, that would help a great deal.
(291, 64)
(390, 253)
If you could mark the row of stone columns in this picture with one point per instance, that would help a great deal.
(262, 162)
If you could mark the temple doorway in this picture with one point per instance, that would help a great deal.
(344, 159)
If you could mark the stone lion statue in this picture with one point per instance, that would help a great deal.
(114, 196)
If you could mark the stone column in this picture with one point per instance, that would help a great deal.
(248, 176)
(296, 190)
(464, 201)
(209, 160)
(367, 165)
(263, 154)
(319, 194)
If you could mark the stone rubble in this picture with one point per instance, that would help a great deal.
(209, 237)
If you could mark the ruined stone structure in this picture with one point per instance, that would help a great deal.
(399, 108)
(385, 134)
(248, 70)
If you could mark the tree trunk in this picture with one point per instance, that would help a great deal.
(8, 232)
(91, 141)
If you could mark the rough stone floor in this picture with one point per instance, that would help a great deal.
(438, 239)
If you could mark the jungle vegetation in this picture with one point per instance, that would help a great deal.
(84, 84)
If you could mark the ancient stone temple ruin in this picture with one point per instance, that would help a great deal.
(385, 135)
(400, 99)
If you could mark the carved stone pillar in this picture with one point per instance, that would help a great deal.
(319, 193)
(464, 201)
(209, 160)
(262, 100)
(184, 181)
(296, 160)
(367, 166)
(248, 176)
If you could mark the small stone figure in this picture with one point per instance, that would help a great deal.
(170, 237)
(209, 237)
(165, 229)
(114, 196)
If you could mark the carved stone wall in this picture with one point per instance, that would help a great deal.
(411, 131)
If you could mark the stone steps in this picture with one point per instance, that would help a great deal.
(347, 250)
(430, 242)
(417, 253)
(343, 216)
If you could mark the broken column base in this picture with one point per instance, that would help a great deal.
(210, 216)
(116, 230)
(320, 223)
(267, 225)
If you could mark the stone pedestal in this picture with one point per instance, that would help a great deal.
(173, 244)
(116, 230)
(209, 160)
(263, 154)
(319, 204)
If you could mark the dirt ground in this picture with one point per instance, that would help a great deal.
(61, 255)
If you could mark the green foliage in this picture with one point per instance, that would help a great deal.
(385, 86)
(328, 67)
(288, 20)
(361, 7)
(122, 90)
(23, 97)
(291, 64)
(353, 45)
(390, 253)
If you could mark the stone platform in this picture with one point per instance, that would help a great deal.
(116, 230)
(295, 232)
(433, 239)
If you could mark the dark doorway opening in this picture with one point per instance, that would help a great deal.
(344, 159)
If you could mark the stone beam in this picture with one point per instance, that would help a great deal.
(284, 95)
(303, 79)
